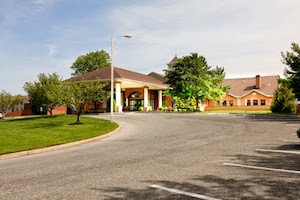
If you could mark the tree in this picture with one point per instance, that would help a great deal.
(90, 62)
(7, 101)
(192, 77)
(78, 94)
(292, 73)
(284, 100)
(47, 92)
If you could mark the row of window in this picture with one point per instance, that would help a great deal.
(255, 102)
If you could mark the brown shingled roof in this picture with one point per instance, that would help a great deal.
(242, 86)
(105, 74)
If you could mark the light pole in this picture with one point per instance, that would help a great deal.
(113, 40)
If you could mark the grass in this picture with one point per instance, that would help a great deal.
(32, 133)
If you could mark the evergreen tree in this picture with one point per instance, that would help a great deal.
(284, 100)
(292, 73)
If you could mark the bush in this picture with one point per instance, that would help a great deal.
(140, 108)
(284, 101)
(150, 108)
(182, 105)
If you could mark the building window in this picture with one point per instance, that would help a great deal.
(230, 102)
(224, 103)
(217, 103)
(248, 103)
(262, 102)
(164, 103)
(255, 102)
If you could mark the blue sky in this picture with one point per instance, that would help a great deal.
(46, 36)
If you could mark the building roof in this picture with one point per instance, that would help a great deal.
(158, 76)
(173, 62)
(120, 75)
(242, 86)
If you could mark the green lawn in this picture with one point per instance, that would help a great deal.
(32, 133)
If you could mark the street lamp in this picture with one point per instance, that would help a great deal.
(113, 40)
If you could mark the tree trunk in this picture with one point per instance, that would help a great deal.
(50, 111)
(78, 118)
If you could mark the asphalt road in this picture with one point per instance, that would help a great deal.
(159, 155)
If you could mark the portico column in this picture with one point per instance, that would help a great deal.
(146, 99)
(238, 101)
(118, 97)
(159, 98)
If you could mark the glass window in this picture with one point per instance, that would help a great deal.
(230, 102)
(248, 102)
(255, 102)
(263, 102)
(217, 103)
(224, 103)
(164, 103)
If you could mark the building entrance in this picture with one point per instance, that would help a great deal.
(135, 104)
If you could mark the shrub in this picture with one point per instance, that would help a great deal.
(284, 101)
(183, 105)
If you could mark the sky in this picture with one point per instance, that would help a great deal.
(46, 36)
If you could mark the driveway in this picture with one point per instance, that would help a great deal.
(167, 156)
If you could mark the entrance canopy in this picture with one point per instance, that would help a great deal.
(128, 79)
(126, 82)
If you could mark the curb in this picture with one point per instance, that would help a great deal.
(58, 147)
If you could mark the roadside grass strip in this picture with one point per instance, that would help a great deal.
(278, 151)
(172, 190)
(262, 168)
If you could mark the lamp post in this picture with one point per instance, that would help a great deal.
(113, 40)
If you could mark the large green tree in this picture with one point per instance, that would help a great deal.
(7, 101)
(78, 94)
(292, 72)
(47, 92)
(90, 62)
(192, 77)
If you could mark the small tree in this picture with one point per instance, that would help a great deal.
(90, 62)
(78, 94)
(47, 92)
(284, 101)
(7, 101)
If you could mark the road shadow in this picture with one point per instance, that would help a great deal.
(290, 119)
(211, 186)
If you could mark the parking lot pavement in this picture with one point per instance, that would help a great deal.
(167, 156)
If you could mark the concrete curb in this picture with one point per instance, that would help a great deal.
(59, 147)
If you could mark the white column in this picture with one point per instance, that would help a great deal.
(118, 97)
(126, 102)
(238, 101)
(146, 101)
(159, 99)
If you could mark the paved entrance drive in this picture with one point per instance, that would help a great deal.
(168, 156)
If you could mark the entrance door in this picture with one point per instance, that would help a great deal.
(135, 104)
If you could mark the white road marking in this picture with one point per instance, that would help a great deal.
(278, 151)
(262, 168)
(199, 196)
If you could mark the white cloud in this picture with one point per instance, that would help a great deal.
(245, 37)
